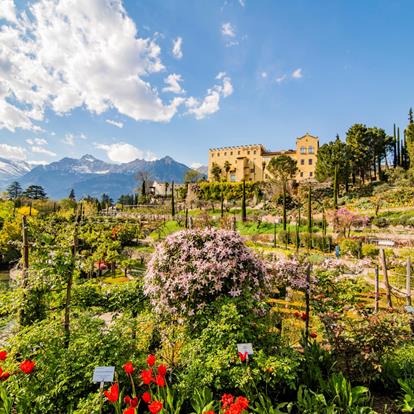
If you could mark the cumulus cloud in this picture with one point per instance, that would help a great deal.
(227, 29)
(211, 102)
(173, 84)
(123, 152)
(63, 55)
(8, 10)
(176, 48)
(242, 3)
(281, 78)
(41, 150)
(196, 165)
(69, 139)
(297, 73)
(118, 124)
(12, 152)
(36, 141)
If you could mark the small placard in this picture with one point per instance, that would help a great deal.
(103, 374)
(389, 243)
(409, 309)
(242, 348)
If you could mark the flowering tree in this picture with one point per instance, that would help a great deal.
(192, 268)
(288, 273)
(344, 219)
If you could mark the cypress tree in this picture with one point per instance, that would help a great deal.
(410, 116)
(394, 143)
(143, 191)
(398, 147)
(222, 202)
(335, 188)
(310, 216)
(244, 212)
(172, 200)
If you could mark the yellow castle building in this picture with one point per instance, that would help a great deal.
(249, 162)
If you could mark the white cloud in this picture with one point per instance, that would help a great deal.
(64, 55)
(176, 49)
(196, 165)
(297, 73)
(123, 152)
(263, 75)
(173, 84)
(8, 10)
(12, 152)
(69, 139)
(41, 162)
(242, 3)
(115, 123)
(227, 29)
(41, 150)
(281, 78)
(36, 141)
(211, 102)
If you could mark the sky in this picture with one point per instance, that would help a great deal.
(147, 78)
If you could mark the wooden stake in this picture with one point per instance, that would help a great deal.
(307, 298)
(376, 289)
(408, 282)
(385, 272)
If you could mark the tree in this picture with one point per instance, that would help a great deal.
(334, 161)
(359, 140)
(227, 168)
(216, 171)
(193, 176)
(172, 200)
(243, 207)
(409, 136)
(144, 180)
(35, 192)
(14, 190)
(283, 168)
(72, 195)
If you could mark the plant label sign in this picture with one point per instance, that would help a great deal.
(243, 348)
(103, 374)
(409, 309)
(388, 243)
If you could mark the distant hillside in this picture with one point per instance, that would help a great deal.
(90, 176)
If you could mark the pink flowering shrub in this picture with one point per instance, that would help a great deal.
(191, 268)
(344, 220)
(288, 273)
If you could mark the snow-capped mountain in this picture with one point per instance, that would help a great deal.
(11, 170)
(90, 176)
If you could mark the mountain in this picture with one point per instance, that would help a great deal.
(91, 176)
(203, 169)
(11, 170)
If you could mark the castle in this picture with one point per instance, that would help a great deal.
(249, 162)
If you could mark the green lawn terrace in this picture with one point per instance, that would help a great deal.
(311, 351)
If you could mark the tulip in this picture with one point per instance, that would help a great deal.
(113, 394)
(3, 355)
(313, 335)
(160, 381)
(155, 407)
(151, 360)
(162, 370)
(128, 368)
(27, 366)
(146, 376)
(146, 397)
(129, 410)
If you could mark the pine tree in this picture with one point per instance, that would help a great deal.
(35, 192)
(14, 190)
(410, 116)
(394, 142)
(72, 195)
(172, 200)
(243, 208)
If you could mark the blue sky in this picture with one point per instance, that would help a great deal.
(103, 77)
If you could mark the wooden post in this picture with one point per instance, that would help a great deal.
(376, 307)
(408, 282)
(22, 315)
(186, 218)
(274, 234)
(385, 272)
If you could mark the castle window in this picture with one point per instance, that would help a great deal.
(212, 155)
(248, 152)
(254, 152)
(310, 150)
(310, 161)
(238, 152)
(232, 178)
(302, 162)
(231, 152)
(218, 154)
(301, 174)
(225, 153)
(302, 150)
(310, 174)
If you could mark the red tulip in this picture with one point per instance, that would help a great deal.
(304, 316)
(242, 403)
(113, 394)
(146, 397)
(27, 366)
(162, 370)
(3, 355)
(129, 410)
(132, 402)
(209, 412)
(160, 381)
(313, 334)
(243, 356)
(296, 314)
(226, 400)
(128, 368)
(146, 376)
(151, 360)
(155, 407)
(4, 375)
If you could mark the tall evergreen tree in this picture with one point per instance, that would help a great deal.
(243, 206)
(35, 192)
(409, 137)
(14, 190)
(72, 195)
(172, 200)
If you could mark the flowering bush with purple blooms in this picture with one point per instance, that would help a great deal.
(288, 273)
(191, 268)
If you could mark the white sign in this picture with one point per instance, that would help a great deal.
(385, 243)
(409, 309)
(103, 374)
(243, 348)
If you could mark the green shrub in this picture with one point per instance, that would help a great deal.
(398, 364)
(368, 250)
(351, 247)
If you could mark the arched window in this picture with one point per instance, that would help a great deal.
(310, 149)
(302, 150)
